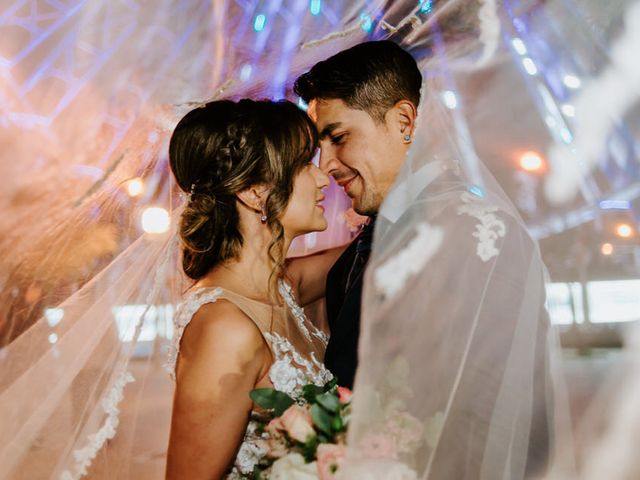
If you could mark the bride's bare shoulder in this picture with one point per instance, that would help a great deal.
(220, 330)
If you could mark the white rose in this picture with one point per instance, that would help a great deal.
(293, 467)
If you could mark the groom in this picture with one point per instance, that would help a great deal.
(364, 102)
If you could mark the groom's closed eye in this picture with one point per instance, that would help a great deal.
(338, 139)
(329, 129)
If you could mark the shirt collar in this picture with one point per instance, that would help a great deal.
(403, 194)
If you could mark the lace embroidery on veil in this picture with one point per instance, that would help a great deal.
(490, 228)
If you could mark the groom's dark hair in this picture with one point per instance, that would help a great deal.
(370, 76)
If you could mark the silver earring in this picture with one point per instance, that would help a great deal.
(407, 138)
(263, 218)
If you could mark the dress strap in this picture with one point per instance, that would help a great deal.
(185, 313)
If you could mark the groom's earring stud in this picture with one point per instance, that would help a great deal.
(407, 138)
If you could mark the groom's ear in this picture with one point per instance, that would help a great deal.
(253, 197)
(404, 117)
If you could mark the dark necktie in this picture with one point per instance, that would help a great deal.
(363, 249)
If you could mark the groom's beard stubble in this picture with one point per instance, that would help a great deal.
(365, 200)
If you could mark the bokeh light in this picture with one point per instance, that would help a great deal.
(155, 220)
(571, 81)
(135, 187)
(531, 161)
(606, 249)
(624, 230)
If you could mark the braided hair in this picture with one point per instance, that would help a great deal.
(223, 148)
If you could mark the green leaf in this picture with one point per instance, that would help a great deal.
(310, 392)
(271, 399)
(331, 385)
(329, 401)
(337, 424)
(309, 449)
(321, 419)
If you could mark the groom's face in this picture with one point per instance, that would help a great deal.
(362, 155)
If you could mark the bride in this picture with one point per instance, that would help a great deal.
(253, 188)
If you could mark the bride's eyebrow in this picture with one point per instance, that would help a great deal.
(328, 130)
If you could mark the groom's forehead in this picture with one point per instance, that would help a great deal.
(328, 114)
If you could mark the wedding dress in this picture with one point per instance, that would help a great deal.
(296, 344)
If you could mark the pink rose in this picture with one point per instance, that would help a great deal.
(297, 422)
(275, 426)
(276, 444)
(345, 394)
(330, 458)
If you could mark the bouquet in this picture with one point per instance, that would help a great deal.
(304, 438)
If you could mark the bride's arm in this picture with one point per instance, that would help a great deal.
(222, 356)
(308, 274)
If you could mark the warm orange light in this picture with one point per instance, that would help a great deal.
(135, 187)
(606, 249)
(531, 162)
(624, 230)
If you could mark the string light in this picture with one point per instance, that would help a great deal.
(566, 135)
(450, 100)
(606, 249)
(568, 110)
(155, 220)
(54, 316)
(571, 81)
(315, 6)
(259, 22)
(624, 230)
(531, 162)
(615, 204)
(365, 22)
(529, 66)
(135, 186)
(426, 6)
(476, 190)
(519, 46)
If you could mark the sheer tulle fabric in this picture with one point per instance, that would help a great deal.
(62, 402)
(456, 378)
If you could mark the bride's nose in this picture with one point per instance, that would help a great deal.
(322, 179)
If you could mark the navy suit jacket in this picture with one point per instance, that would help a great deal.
(343, 315)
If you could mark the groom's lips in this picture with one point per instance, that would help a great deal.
(345, 184)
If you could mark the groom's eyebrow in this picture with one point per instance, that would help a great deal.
(326, 131)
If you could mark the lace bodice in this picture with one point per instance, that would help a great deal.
(296, 344)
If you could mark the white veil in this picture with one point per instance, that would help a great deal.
(457, 351)
(457, 360)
